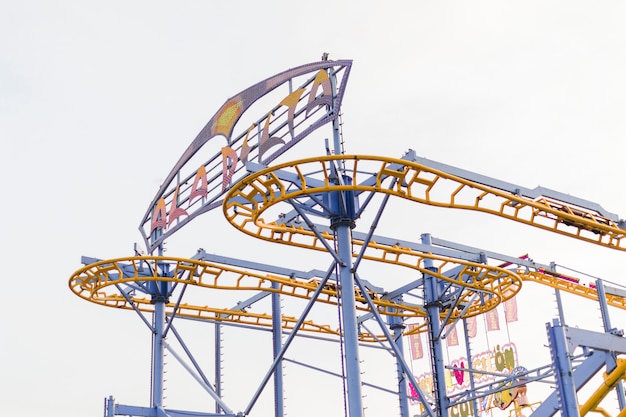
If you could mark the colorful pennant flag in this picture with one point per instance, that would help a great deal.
(510, 310)
(415, 340)
(492, 320)
(452, 337)
(472, 326)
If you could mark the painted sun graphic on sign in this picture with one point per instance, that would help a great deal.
(227, 117)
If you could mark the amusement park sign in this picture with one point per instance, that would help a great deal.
(306, 97)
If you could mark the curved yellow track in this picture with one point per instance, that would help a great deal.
(415, 182)
(249, 199)
(246, 202)
(101, 283)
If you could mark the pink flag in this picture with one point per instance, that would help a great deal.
(452, 337)
(510, 310)
(415, 340)
(493, 322)
(472, 326)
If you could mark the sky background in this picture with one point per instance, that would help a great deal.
(99, 99)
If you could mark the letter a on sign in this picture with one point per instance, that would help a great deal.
(229, 164)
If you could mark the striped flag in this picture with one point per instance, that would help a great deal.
(472, 326)
(492, 320)
(415, 340)
(452, 337)
(510, 310)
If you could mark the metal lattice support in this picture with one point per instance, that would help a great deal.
(315, 204)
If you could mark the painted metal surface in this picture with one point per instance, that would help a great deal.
(195, 186)
(241, 175)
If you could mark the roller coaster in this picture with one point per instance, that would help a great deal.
(315, 204)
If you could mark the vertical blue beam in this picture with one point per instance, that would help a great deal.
(468, 353)
(559, 306)
(606, 321)
(348, 316)
(604, 310)
(157, 354)
(159, 295)
(336, 127)
(218, 364)
(568, 400)
(109, 407)
(277, 339)
(342, 220)
(396, 324)
(288, 341)
(394, 348)
(433, 308)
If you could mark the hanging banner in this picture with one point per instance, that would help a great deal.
(415, 342)
(510, 310)
(472, 326)
(452, 338)
(492, 321)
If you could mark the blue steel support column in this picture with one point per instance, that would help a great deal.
(396, 324)
(433, 308)
(348, 314)
(109, 407)
(157, 353)
(606, 320)
(218, 364)
(568, 400)
(468, 352)
(336, 127)
(604, 309)
(277, 332)
(159, 297)
(342, 221)
(559, 306)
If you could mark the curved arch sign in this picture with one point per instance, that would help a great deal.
(248, 129)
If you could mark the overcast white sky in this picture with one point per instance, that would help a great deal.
(99, 99)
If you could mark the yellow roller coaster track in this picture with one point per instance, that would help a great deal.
(415, 182)
(247, 200)
(101, 282)
(569, 284)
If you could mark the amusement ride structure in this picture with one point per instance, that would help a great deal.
(238, 164)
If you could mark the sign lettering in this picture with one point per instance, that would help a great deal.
(189, 191)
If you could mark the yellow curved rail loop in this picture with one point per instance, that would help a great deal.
(571, 285)
(485, 286)
(414, 182)
(101, 282)
(245, 203)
